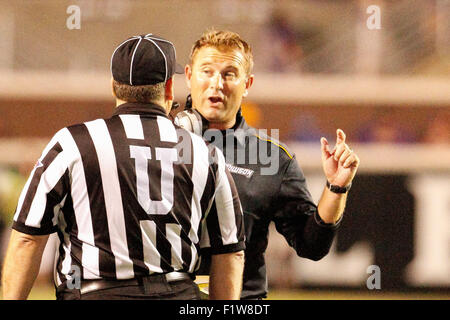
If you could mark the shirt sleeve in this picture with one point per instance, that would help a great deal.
(44, 192)
(224, 225)
(297, 218)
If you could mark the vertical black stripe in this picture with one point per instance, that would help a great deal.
(72, 230)
(207, 195)
(133, 212)
(62, 256)
(163, 246)
(34, 183)
(186, 252)
(54, 197)
(212, 222)
(94, 184)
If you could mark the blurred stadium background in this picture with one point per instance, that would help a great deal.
(318, 67)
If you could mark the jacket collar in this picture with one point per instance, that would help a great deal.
(240, 130)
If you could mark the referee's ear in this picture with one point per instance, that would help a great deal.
(169, 92)
(112, 88)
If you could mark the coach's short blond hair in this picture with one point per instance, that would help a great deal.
(224, 40)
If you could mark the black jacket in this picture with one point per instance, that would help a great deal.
(271, 187)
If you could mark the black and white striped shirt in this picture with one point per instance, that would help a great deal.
(130, 196)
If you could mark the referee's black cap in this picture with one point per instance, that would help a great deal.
(144, 60)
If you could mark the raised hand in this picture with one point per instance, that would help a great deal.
(341, 163)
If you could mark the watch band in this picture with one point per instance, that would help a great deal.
(337, 189)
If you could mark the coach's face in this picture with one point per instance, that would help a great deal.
(218, 81)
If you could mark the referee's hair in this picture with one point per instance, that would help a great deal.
(139, 94)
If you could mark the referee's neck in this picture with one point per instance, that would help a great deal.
(164, 106)
(119, 102)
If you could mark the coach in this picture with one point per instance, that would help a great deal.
(219, 77)
(132, 216)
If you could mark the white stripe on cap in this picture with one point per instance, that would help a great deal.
(165, 59)
(132, 38)
(154, 38)
(132, 59)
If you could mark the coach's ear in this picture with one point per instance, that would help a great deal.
(188, 74)
(248, 84)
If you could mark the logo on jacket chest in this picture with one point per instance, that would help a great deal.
(242, 171)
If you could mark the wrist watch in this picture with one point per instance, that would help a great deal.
(337, 189)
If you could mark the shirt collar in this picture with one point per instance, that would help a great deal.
(145, 109)
(240, 130)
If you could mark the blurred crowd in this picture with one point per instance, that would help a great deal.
(385, 125)
(412, 39)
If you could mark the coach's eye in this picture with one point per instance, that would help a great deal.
(207, 72)
(230, 76)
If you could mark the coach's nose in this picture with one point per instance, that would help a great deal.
(217, 82)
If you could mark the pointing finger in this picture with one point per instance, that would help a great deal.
(340, 136)
(325, 147)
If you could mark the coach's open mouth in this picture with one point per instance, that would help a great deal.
(215, 99)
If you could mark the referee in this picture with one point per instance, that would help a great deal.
(132, 214)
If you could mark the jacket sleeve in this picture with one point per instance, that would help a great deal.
(297, 219)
